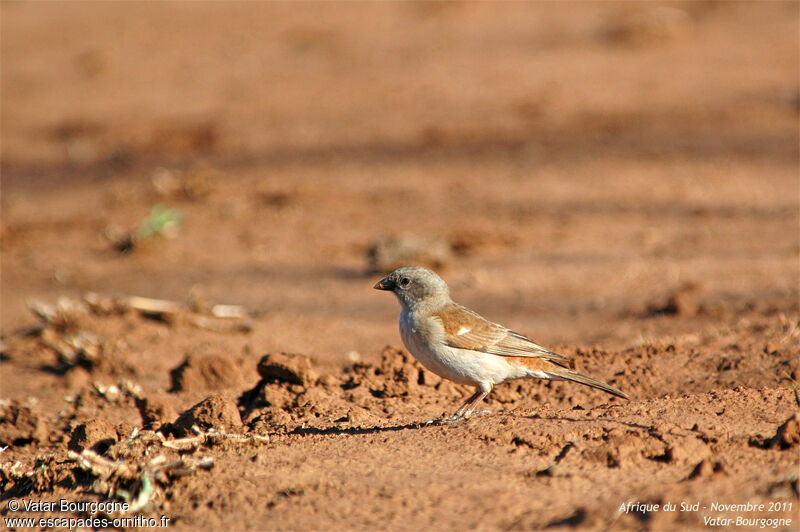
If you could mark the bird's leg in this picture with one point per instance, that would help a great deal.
(469, 404)
(466, 409)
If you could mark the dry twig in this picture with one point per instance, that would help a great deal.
(211, 437)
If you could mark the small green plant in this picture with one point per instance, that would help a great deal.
(162, 221)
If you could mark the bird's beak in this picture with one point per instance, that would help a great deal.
(384, 284)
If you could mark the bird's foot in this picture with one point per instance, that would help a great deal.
(439, 421)
(455, 418)
(444, 420)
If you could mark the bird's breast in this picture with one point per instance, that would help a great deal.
(426, 341)
(420, 340)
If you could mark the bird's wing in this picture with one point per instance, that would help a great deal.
(466, 329)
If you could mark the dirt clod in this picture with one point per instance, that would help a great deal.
(398, 375)
(97, 435)
(287, 367)
(216, 411)
(270, 420)
(156, 410)
(206, 372)
(393, 251)
(21, 425)
(681, 302)
(704, 469)
(77, 377)
(788, 434)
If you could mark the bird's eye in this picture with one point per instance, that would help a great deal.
(404, 282)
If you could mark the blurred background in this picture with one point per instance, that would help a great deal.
(574, 170)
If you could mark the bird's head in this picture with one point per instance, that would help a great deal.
(415, 287)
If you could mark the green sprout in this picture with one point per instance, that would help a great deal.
(162, 221)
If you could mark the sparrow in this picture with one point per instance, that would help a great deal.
(458, 344)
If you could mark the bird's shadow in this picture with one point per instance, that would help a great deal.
(353, 431)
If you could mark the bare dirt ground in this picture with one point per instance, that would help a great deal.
(617, 181)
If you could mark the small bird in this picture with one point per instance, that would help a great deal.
(458, 344)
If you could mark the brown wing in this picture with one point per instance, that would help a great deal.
(466, 329)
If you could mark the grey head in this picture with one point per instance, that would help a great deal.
(416, 287)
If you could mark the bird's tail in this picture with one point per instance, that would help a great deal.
(570, 375)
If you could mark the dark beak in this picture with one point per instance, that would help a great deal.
(384, 284)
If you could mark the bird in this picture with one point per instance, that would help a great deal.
(460, 345)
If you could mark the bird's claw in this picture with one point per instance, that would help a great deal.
(455, 418)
